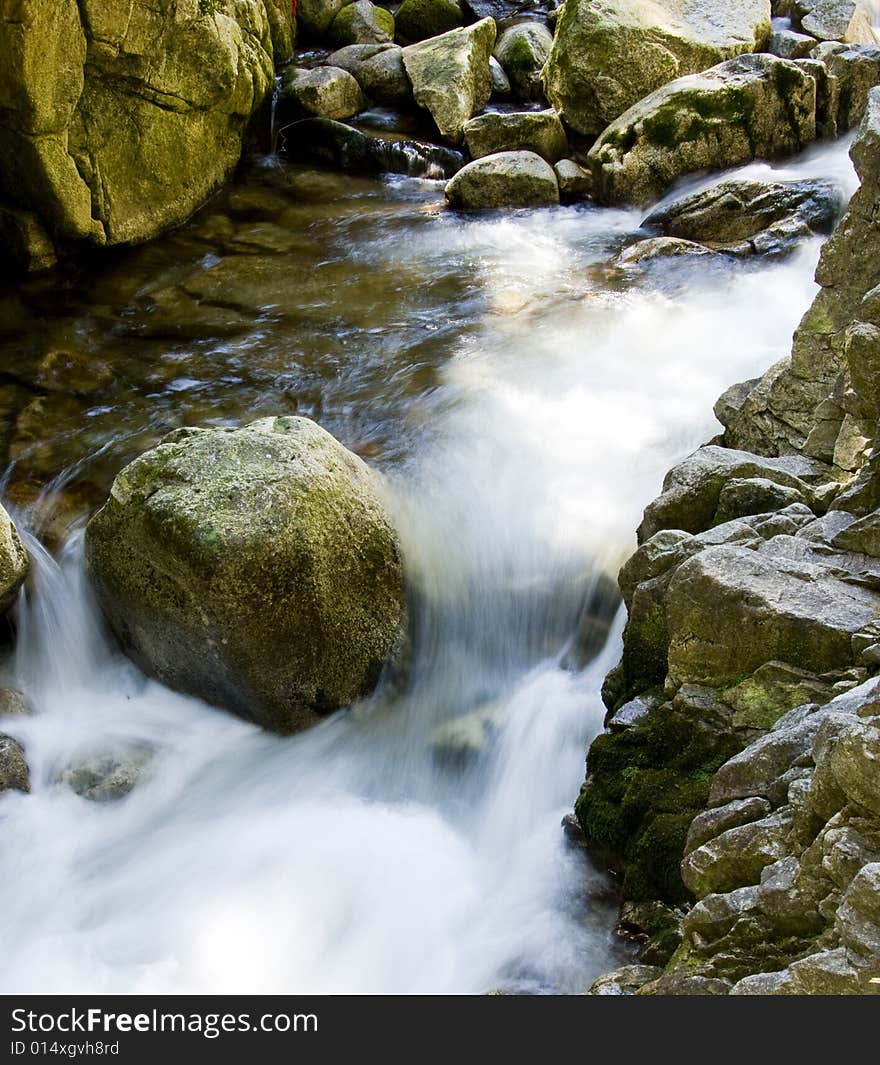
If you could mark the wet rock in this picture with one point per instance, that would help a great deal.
(14, 772)
(540, 132)
(14, 562)
(745, 218)
(383, 78)
(105, 777)
(362, 22)
(660, 249)
(633, 711)
(509, 179)
(450, 75)
(324, 92)
(771, 691)
(418, 19)
(624, 981)
(461, 741)
(255, 567)
(118, 126)
(575, 183)
(752, 107)
(609, 54)
(13, 703)
(334, 144)
(522, 50)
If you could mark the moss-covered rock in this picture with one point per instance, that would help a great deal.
(645, 785)
(540, 132)
(314, 17)
(522, 50)
(752, 107)
(417, 20)
(362, 23)
(450, 75)
(118, 121)
(323, 92)
(255, 567)
(14, 562)
(608, 54)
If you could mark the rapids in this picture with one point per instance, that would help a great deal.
(525, 401)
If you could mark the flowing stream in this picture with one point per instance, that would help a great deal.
(525, 400)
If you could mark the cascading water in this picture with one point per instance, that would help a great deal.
(356, 857)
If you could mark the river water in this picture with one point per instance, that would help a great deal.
(524, 399)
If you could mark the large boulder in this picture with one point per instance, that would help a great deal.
(362, 23)
(450, 75)
(117, 121)
(314, 17)
(608, 54)
(417, 20)
(508, 179)
(534, 131)
(256, 568)
(14, 562)
(752, 107)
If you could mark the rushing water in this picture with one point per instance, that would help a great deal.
(525, 400)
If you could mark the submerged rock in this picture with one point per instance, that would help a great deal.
(540, 132)
(608, 54)
(752, 107)
(105, 777)
(508, 179)
(14, 562)
(450, 75)
(334, 144)
(14, 772)
(255, 568)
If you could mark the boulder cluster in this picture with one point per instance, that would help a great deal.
(736, 789)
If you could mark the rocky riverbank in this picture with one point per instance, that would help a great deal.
(737, 790)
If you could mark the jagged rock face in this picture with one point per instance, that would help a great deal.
(823, 399)
(608, 54)
(740, 766)
(752, 107)
(450, 75)
(256, 568)
(119, 119)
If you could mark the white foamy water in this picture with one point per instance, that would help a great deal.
(349, 859)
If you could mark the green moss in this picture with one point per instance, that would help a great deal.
(417, 20)
(645, 786)
(210, 7)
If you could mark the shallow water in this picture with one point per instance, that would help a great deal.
(525, 400)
